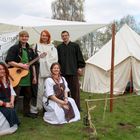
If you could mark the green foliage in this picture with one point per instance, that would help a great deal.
(122, 124)
(56, 43)
(129, 20)
(92, 42)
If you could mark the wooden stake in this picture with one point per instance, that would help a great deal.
(91, 125)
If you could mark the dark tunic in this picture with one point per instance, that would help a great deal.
(9, 113)
(70, 58)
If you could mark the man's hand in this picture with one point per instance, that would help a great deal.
(34, 81)
(24, 66)
(80, 72)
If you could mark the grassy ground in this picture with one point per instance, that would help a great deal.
(122, 124)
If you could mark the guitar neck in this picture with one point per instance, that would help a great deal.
(34, 60)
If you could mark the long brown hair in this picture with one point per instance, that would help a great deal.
(2, 87)
(6, 72)
(48, 34)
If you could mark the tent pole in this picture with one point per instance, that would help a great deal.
(131, 81)
(112, 68)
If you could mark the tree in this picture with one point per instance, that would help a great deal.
(129, 20)
(71, 10)
(102, 37)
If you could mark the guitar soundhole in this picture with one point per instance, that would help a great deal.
(18, 71)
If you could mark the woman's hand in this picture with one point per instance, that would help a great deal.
(66, 100)
(1, 103)
(12, 104)
(9, 105)
(6, 104)
(66, 107)
(63, 103)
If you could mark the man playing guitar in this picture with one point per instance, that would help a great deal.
(19, 56)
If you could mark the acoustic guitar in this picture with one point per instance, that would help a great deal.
(16, 74)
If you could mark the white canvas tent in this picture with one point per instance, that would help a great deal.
(34, 25)
(127, 57)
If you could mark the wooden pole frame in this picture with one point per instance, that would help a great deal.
(112, 68)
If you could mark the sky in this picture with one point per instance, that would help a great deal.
(95, 11)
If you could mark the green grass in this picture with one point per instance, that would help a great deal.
(122, 124)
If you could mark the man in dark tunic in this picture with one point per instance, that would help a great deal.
(19, 56)
(71, 61)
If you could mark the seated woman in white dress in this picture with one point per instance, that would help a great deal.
(59, 108)
(8, 118)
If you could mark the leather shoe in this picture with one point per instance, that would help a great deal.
(30, 115)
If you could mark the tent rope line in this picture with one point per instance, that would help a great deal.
(102, 99)
(91, 125)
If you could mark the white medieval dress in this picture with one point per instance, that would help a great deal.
(44, 68)
(54, 114)
(5, 127)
